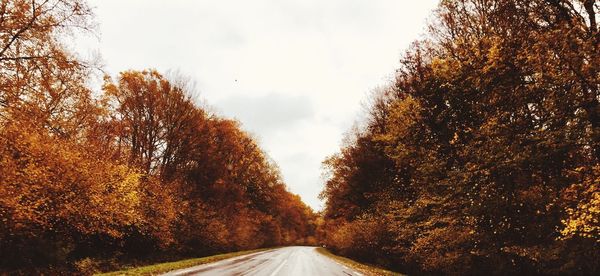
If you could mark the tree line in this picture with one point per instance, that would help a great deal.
(135, 172)
(482, 156)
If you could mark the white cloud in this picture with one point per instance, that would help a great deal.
(269, 113)
(302, 66)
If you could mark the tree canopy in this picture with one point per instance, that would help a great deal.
(137, 171)
(483, 154)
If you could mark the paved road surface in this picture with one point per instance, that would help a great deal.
(293, 260)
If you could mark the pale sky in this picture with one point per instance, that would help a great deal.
(293, 72)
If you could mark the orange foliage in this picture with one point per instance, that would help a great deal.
(482, 155)
(139, 170)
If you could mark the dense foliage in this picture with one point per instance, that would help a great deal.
(135, 171)
(484, 154)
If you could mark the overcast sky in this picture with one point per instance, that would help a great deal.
(293, 72)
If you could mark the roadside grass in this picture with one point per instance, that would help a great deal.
(363, 268)
(161, 268)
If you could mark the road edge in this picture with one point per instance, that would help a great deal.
(360, 267)
(166, 267)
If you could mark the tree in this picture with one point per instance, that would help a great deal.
(40, 80)
(487, 126)
(89, 174)
(155, 120)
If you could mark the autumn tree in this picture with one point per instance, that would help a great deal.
(490, 122)
(40, 80)
(137, 170)
(232, 195)
(155, 120)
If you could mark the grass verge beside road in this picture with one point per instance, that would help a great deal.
(363, 268)
(156, 269)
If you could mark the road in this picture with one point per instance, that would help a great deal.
(293, 260)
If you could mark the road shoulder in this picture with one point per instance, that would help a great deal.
(360, 267)
(161, 268)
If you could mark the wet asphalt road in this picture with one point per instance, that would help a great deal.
(293, 261)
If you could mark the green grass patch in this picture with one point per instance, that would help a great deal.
(363, 268)
(156, 269)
